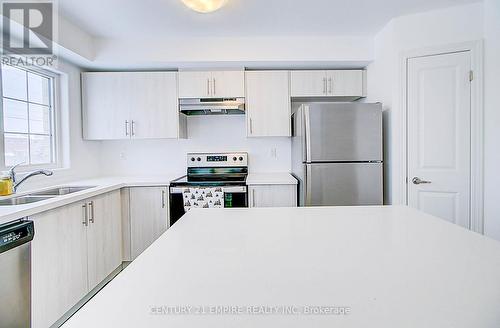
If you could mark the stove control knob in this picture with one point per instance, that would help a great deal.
(192, 159)
(198, 159)
(234, 158)
(241, 158)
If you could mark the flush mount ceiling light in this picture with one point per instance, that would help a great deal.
(204, 6)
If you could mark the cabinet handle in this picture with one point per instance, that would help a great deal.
(85, 215)
(163, 199)
(330, 85)
(251, 125)
(126, 127)
(324, 85)
(91, 211)
(253, 197)
(208, 87)
(214, 87)
(133, 128)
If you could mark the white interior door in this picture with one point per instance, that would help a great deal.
(439, 110)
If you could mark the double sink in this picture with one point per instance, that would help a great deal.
(41, 195)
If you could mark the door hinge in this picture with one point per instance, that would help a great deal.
(471, 76)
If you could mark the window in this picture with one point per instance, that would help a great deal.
(28, 117)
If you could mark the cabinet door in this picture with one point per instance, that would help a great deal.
(195, 84)
(308, 84)
(58, 263)
(106, 100)
(268, 103)
(104, 236)
(156, 114)
(228, 84)
(148, 216)
(346, 83)
(273, 196)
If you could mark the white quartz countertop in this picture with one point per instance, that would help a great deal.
(99, 186)
(385, 266)
(270, 179)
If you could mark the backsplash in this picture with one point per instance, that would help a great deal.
(206, 134)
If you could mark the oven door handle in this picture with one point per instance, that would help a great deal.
(227, 189)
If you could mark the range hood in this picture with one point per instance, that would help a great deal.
(212, 106)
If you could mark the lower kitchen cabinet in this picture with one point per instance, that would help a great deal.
(58, 263)
(75, 247)
(272, 196)
(148, 211)
(104, 237)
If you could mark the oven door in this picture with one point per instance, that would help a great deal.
(234, 196)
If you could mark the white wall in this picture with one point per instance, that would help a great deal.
(82, 157)
(206, 134)
(438, 27)
(492, 118)
(242, 51)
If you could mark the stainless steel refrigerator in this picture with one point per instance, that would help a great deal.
(337, 153)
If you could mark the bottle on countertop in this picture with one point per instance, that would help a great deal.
(6, 184)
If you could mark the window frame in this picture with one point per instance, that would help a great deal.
(54, 121)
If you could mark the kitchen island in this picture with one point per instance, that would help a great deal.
(305, 267)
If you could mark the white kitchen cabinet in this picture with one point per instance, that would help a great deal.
(58, 263)
(348, 84)
(131, 105)
(272, 196)
(104, 236)
(228, 84)
(211, 84)
(268, 103)
(308, 83)
(148, 216)
(74, 249)
(195, 84)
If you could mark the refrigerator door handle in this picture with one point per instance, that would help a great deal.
(308, 185)
(307, 128)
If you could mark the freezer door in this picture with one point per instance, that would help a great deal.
(343, 132)
(343, 184)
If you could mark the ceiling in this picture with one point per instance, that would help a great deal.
(156, 19)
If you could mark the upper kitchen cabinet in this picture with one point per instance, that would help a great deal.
(268, 103)
(212, 84)
(347, 85)
(130, 105)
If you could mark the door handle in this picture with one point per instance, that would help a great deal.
(85, 215)
(132, 130)
(91, 211)
(126, 127)
(417, 181)
(163, 199)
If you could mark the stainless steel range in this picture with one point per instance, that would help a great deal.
(225, 173)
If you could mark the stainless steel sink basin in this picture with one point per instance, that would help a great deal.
(60, 191)
(20, 200)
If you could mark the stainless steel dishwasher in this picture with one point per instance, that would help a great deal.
(15, 273)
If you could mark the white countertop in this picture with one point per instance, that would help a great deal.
(391, 266)
(102, 185)
(270, 179)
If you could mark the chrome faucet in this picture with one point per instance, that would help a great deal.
(16, 183)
